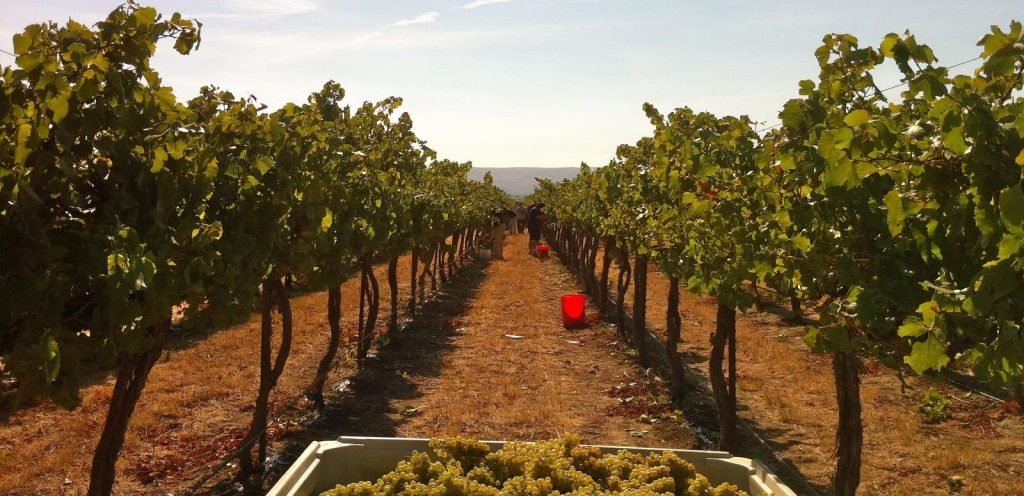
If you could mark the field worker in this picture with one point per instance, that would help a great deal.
(520, 211)
(510, 221)
(498, 235)
(534, 222)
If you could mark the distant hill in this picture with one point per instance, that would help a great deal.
(519, 181)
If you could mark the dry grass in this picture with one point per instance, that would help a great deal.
(459, 374)
(194, 396)
(788, 396)
(455, 372)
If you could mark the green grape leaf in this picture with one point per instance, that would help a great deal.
(1020, 158)
(176, 149)
(327, 221)
(857, 118)
(22, 43)
(1011, 209)
(894, 212)
(888, 43)
(52, 365)
(954, 141)
(801, 243)
(812, 339)
(993, 283)
(806, 87)
(836, 339)
(927, 355)
(912, 328)
(264, 164)
(59, 106)
(88, 89)
(843, 137)
(838, 174)
(1010, 246)
(159, 159)
(145, 15)
(794, 114)
(212, 168)
(21, 151)
(30, 61)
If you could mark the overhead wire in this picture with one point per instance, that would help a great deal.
(890, 88)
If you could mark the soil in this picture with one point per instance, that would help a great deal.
(193, 412)
(787, 399)
(488, 357)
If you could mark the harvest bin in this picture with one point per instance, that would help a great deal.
(574, 310)
(326, 464)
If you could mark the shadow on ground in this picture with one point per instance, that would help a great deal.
(364, 407)
(700, 413)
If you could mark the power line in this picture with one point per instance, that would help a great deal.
(899, 85)
(954, 66)
(7, 53)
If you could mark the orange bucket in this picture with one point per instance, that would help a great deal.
(542, 252)
(574, 309)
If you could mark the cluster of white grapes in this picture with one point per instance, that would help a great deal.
(460, 466)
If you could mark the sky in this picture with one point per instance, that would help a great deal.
(548, 83)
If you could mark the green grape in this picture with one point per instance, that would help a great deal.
(461, 466)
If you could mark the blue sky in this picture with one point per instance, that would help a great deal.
(531, 82)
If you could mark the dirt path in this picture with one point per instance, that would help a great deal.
(457, 371)
(454, 370)
(549, 383)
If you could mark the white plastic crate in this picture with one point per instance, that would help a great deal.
(326, 464)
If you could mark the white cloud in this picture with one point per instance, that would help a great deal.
(359, 40)
(274, 7)
(424, 18)
(275, 46)
(480, 3)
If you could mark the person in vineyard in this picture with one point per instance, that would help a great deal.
(510, 220)
(534, 221)
(520, 211)
(498, 232)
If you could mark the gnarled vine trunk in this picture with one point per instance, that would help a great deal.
(414, 263)
(439, 263)
(427, 269)
(640, 309)
(850, 433)
(625, 274)
(591, 265)
(434, 271)
(456, 239)
(364, 284)
(722, 389)
(315, 391)
(274, 294)
(674, 333)
(606, 265)
(372, 296)
(133, 370)
(393, 293)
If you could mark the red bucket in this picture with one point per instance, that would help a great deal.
(542, 252)
(574, 309)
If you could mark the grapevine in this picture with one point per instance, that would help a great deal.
(899, 219)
